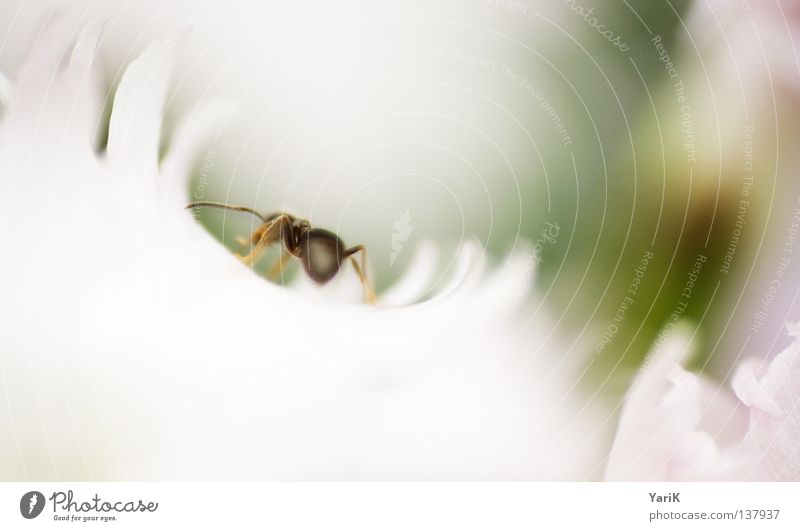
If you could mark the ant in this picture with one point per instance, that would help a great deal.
(320, 251)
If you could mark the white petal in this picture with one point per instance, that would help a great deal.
(79, 70)
(677, 426)
(750, 391)
(80, 98)
(416, 280)
(63, 98)
(5, 93)
(135, 126)
(467, 265)
(658, 414)
(139, 347)
(775, 418)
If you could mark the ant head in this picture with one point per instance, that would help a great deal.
(321, 253)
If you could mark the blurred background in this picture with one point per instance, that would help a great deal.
(642, 152)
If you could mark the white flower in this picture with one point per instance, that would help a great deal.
(676, 425)
(135, 346)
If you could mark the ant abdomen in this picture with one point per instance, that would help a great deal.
(321, 253)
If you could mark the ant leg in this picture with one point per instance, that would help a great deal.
(277, 268)
(255, 253)
(369, 292)
(271, 232)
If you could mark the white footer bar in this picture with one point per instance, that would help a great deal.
(406, 506)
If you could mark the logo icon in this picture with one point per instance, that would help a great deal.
(402, 230)
(31, 504)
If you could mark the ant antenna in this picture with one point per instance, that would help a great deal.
(227, 207)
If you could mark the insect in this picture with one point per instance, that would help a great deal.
(321, 252)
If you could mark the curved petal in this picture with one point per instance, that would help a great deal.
(678, 426)
(5, 93)
(775, 415)
(135, 126)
